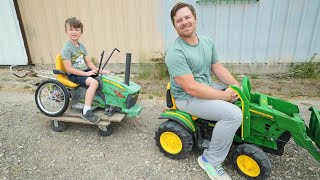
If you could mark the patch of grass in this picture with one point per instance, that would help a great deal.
(155, 69)
(143, 74)
(160, 71)
(309, 69)
(254, 76)
(26, 87)
(294, 93)
(159, 94)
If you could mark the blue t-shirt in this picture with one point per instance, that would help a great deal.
(182, 59)
(75, 54)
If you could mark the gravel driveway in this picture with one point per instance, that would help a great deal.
(29, 149)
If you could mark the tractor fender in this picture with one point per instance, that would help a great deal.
(184, 119)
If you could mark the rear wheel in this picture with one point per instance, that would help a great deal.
(174, 140)
(52, 98)
(250, 160)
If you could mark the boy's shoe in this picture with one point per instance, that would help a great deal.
(89, 116)
(216, 172)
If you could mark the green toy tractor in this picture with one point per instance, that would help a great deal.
(114, 95)
(268, 124)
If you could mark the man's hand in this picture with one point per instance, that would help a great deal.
(231, 96)
(234, 97)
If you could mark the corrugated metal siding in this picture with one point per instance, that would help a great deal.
(267, 31)
(12, 50)
(129, 25)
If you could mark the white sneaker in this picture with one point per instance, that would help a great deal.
(216, 172)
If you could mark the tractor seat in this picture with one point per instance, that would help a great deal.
(61, 74)
(171, 102)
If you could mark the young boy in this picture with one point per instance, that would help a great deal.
(79, 67)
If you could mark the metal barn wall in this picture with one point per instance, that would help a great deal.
(12, 50)
(129, 25)
(264, 31)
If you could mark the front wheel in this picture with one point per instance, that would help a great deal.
(174, 140)
(105, 130)
(250, 160)
(52, 98)
(58, 126)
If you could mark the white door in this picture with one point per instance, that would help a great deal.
(12, 50)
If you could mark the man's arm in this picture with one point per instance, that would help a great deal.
(196, 89)
(223, 74)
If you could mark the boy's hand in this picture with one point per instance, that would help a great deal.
(91, 72)
(105, 72)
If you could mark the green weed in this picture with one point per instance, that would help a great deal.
(153, 68)
(254, 76)
(305, 70)
(26, 87)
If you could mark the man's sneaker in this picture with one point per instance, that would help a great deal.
(216, 172)
(89, 116)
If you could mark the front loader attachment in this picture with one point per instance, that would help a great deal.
(314, 126)
(310, 137)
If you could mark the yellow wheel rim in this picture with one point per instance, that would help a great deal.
(171, 142)
(248, 166)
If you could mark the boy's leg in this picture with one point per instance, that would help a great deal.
(92, 85)
(229, 118)
(91, 91)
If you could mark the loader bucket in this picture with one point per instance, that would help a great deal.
(314, 126)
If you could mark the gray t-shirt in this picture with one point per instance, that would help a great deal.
(182, 59)
(75, 54)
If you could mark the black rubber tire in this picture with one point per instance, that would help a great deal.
(107, 132)
(62, 101)
(185, 137)
(61, 126)
(255, 153)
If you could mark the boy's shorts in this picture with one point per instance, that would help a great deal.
(79, 79)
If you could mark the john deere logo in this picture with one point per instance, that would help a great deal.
(118, 93)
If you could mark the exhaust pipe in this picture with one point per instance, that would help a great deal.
(128, 66)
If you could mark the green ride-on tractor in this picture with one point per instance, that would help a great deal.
(115, 98)
(268, 124)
